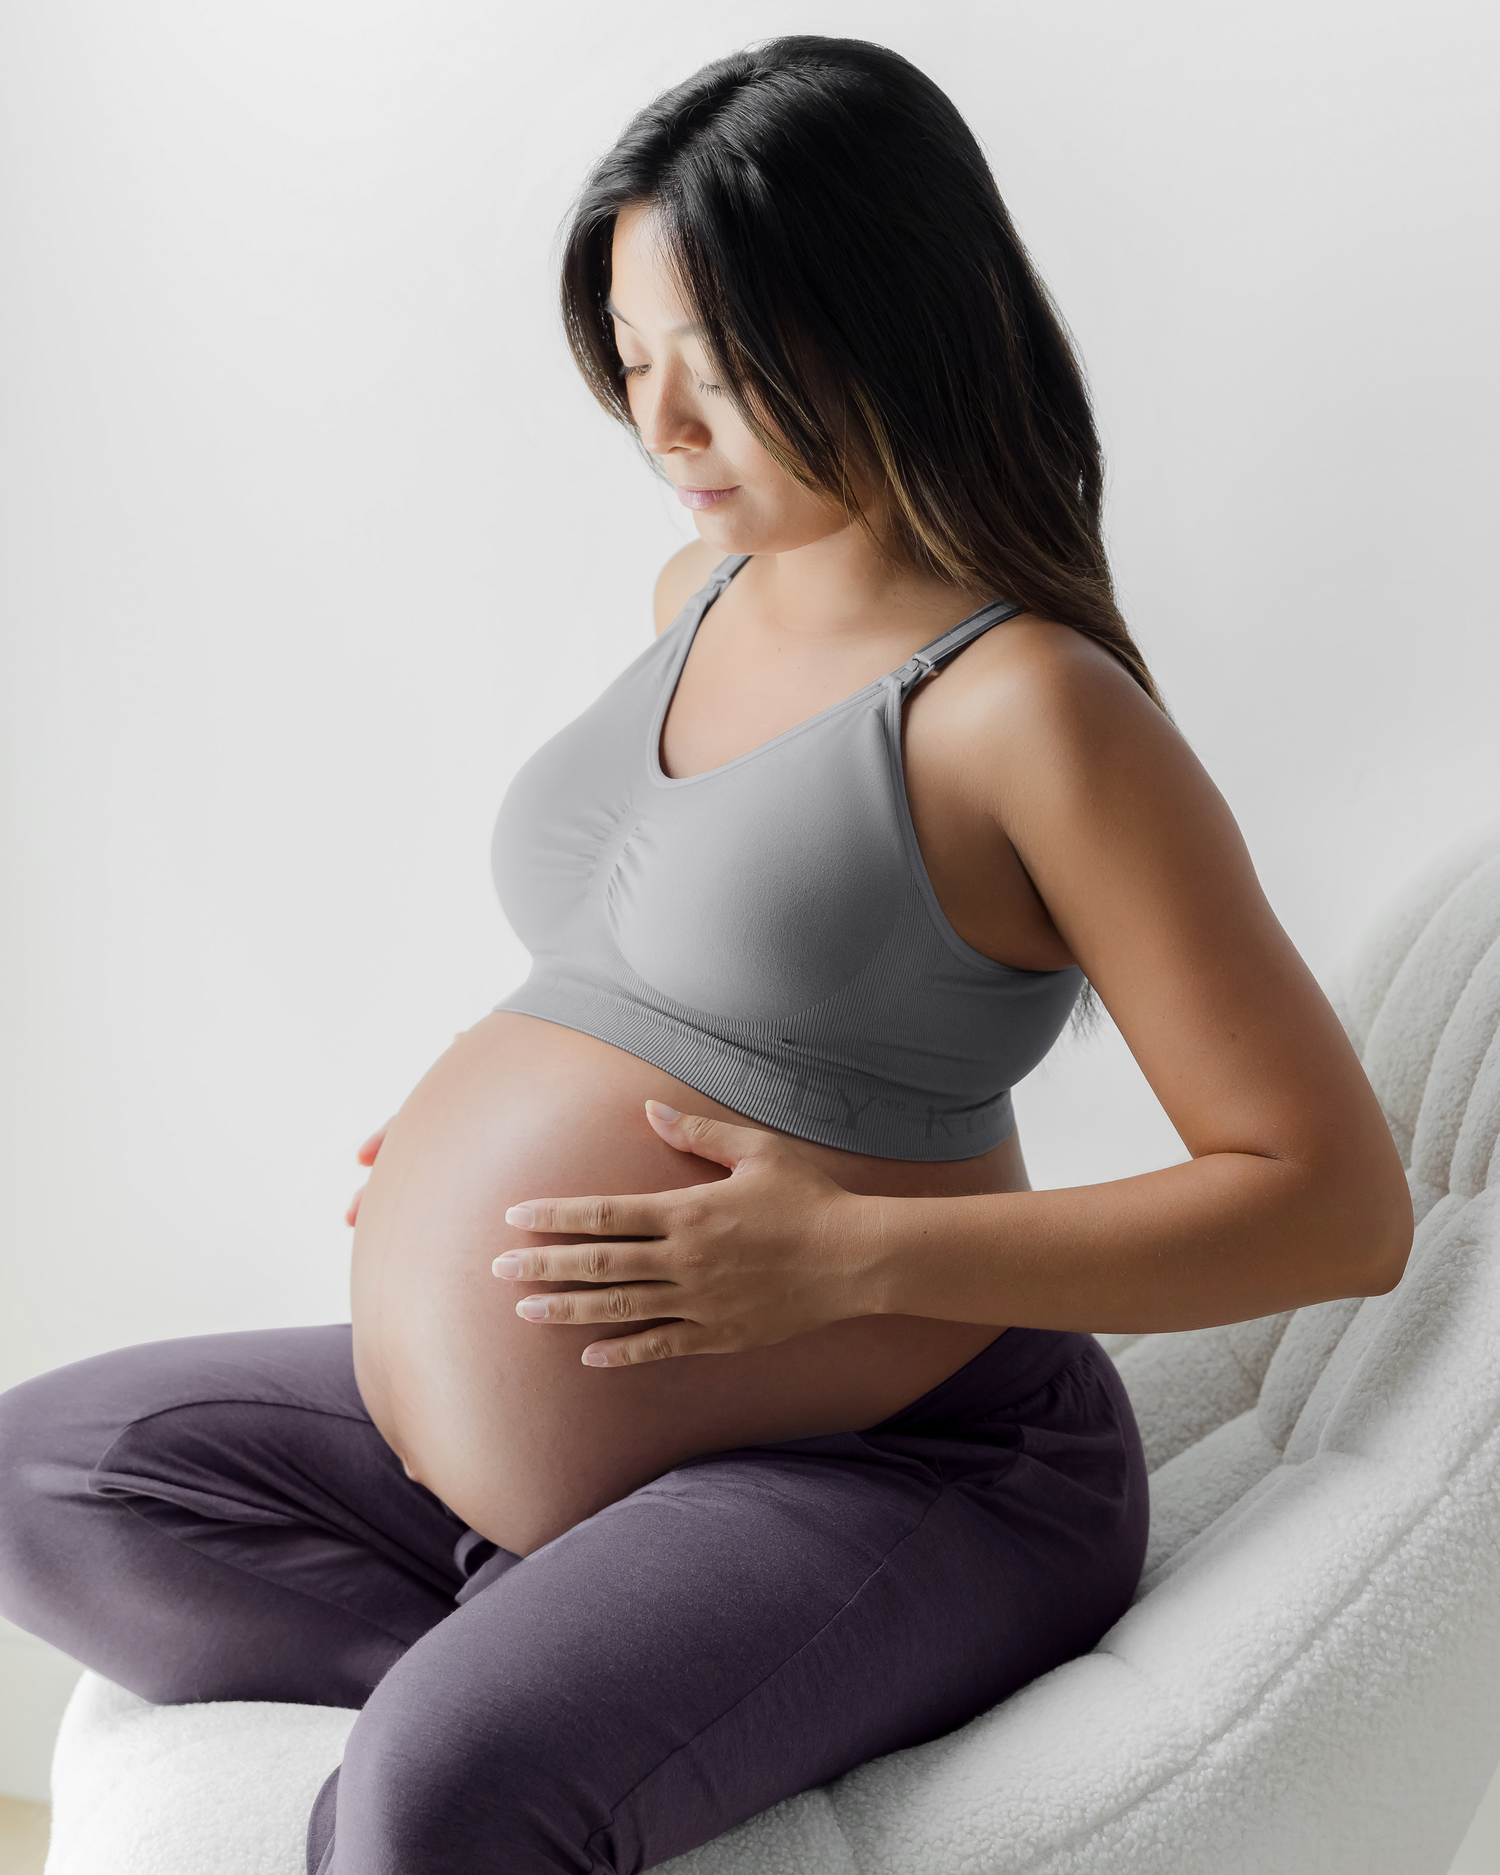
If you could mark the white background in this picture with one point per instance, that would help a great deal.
(310, 536)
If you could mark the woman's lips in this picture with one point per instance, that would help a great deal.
(705, 497)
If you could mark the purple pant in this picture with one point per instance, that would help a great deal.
(217, 1518)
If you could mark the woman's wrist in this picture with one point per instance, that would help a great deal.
(930, 1256)
(861, 1249)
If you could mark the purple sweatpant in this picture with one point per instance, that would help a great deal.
(217, 1518)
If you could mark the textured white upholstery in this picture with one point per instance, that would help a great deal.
(1309, 1679)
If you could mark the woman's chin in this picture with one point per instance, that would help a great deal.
(736, 526)
(719, 528)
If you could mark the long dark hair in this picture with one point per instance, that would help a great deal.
(868, 303)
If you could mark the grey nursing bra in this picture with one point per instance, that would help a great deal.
(766, 931)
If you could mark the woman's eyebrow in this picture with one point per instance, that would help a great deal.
(689, 331)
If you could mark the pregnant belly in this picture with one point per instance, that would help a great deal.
(498, 1416)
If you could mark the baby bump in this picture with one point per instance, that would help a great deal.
(498, 1416)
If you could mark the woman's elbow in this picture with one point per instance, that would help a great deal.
(1377, 1228)
(1353, 1207)
(1387, 1263)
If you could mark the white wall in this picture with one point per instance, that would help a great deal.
(310, 536)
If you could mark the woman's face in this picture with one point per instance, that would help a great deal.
(742, 500)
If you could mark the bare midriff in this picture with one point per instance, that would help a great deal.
(498, 1416)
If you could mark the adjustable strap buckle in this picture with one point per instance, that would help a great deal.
(916, 667)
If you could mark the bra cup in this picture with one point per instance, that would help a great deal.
(766, 931)
(546, 844)
(563, 811)
(768, 886)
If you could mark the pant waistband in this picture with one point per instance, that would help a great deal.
(1016, 1364)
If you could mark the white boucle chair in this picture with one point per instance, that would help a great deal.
(1309, 1679)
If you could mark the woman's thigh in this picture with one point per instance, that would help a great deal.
(217, 1518)
(750, 1625)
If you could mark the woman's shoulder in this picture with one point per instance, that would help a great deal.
(1038, 671)
(685, 573)
(1035, 708)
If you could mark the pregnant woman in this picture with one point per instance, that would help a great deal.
(719, 1410)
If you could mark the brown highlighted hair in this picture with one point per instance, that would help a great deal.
(869, 305)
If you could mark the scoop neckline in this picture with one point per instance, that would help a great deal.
(715, 591)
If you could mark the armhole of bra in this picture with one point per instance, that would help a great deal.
(895, 710)
(895, 717)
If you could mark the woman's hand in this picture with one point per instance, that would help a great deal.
(767, 1253)
(366, 1156)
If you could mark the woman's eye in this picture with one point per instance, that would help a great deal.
(636, 371)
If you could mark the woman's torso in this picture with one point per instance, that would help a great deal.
(498, 1416)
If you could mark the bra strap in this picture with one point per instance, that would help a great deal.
(932, 657)
(724, 572)
(713, 588)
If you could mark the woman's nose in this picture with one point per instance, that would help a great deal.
(667, 418)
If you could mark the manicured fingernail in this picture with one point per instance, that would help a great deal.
(522, 1215)
(507, 1265)
(662, 1112)
(595, 1357)
(534, 1308)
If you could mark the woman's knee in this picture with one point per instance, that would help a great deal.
(40, 1474)
(432, 1781)
(54, 1432)
(57, 1430)
(414, 1798)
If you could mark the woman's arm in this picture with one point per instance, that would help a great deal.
(1228, 1237)
(1294, 1192)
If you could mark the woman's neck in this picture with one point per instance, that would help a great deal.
(845, 585)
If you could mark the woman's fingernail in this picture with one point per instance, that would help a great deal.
(662, 1112)
(534, 1308)
(595, 1357)
(507, 1265)
(522, 1215)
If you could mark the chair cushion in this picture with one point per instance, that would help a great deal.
(186, 1790)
